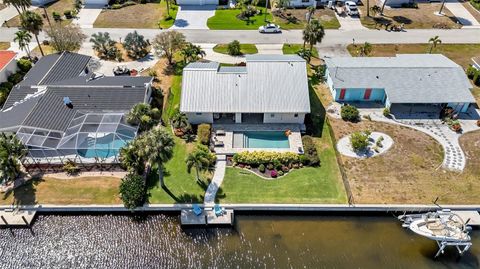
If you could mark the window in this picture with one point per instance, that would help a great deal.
(272, 115)
(198, 114)
(295, 115)
(305, 1)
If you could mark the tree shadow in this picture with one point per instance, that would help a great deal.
(220, 195)
(25, 194)
(402, 19)
(152, 182)
(190, 198)
(316, 119)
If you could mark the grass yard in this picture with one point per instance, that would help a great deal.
(421, 18)
(59, 6)
(295, 48)
(460, 53)
(137, 16)
(47, 49)
(4, 45)
(307, 185)
(226, 19)
(295, 19)
(183, 187)
(244, 48)
(83, 190)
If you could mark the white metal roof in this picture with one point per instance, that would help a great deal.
(406, 78)
(268, 84)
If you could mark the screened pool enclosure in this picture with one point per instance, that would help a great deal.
(89, 138)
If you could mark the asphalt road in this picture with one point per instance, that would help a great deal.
(332, 37)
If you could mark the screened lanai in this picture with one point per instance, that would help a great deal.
(89, 137)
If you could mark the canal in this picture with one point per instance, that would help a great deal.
(158, 241)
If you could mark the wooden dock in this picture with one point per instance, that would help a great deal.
(207, 217)
(12, 217)
(473, 217)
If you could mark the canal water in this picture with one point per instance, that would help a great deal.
(158, 241)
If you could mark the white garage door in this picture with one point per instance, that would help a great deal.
(196, 2)
(96, 2)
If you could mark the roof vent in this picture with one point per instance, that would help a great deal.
(67, 102)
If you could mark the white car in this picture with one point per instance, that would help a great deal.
(269, 28)
(351, 8)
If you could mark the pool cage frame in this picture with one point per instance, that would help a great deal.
(98, 135)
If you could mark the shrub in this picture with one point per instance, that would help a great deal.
(7, 85)
(471, 71)
(56, 16)
(379, 142)
(203, 133)
(261, 168)
(349, 113)
(15, 78)
(386, 112)
(234, 48)
(272, 159)
(71, 168)
(310, 152)
(116, 6)
(273, 173)
(359, 141)
(68, 14)
(24, 65)
(280, 173)
(132, 191)
(476, 78)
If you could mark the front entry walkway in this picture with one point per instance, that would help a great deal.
(193, 17)
(217, 180)
(462, 14)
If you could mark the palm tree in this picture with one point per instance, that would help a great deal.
(366, 49)
(441, 7)
(130, 159)
(23, 37)
(11, 151)
(435, 41)
(313, 33)
(156, 147)
(192, 52)
(311, 11)
(180, 120)
(103, 44)
(134, 116)
(33, 23)
(198, 159)
(376, 10)
(383, 6)
(20, 5)
(368, 8)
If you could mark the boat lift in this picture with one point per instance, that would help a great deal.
(462, 247)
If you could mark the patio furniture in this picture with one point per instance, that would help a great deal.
(219, 211)
(218, 143)
(197, 209)
(220, 132)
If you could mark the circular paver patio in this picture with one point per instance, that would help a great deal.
(345, 148)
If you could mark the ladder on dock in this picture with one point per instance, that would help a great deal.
(207, 217)
(16, 217)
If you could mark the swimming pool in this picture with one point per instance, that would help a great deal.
(104, 147)
(260, 139)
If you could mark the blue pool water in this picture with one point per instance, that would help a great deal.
(105, 147)
(265, 139)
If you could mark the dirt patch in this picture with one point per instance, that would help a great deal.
(422, 17)
(296, 19)
(475, 13)
(164, 75)
(136, 16)
(58, 6)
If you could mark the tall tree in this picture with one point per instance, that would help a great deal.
(383, 6)
(23, 37)
(180, 120)
(156, 147)
(192, 52)
(136, 45)
(104, 45)
(311, 10)
(368, 8)
(33, 23)
(376, 10)
(130, 158)
(66, 38)
(313, 33)
(168, 43)
(11, 151)
(434, 42)
(20, 5)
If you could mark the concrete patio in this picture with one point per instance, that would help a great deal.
(294, 139)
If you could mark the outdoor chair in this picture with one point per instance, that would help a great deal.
(197, 210)
(220, 132)
(219, 211)
(218, 143)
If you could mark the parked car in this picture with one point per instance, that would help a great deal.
(269, 28)
(351, 8)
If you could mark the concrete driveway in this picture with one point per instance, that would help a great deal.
(462, 14)
(88, 15)
(193, 17)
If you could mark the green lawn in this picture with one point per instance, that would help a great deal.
(183, 187)
(226, 19)
(244, 48)
(298, 21)
(4, 45)
(167, 21)
(294, 48)
(307, 185)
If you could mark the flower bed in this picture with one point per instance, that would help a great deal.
(267, 164)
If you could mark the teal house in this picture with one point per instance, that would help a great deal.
(407, 83)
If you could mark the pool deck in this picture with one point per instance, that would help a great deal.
(294, 139)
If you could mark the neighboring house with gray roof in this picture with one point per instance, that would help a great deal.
(420, 81)
(269, 89)
(64, 110)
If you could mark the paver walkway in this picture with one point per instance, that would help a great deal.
(88, 15)
(217, 180)
(193, 17)
(462, 14)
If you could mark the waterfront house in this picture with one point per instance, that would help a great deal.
(8, 65)
(407, 83)
(269, 89)
(62, 110)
